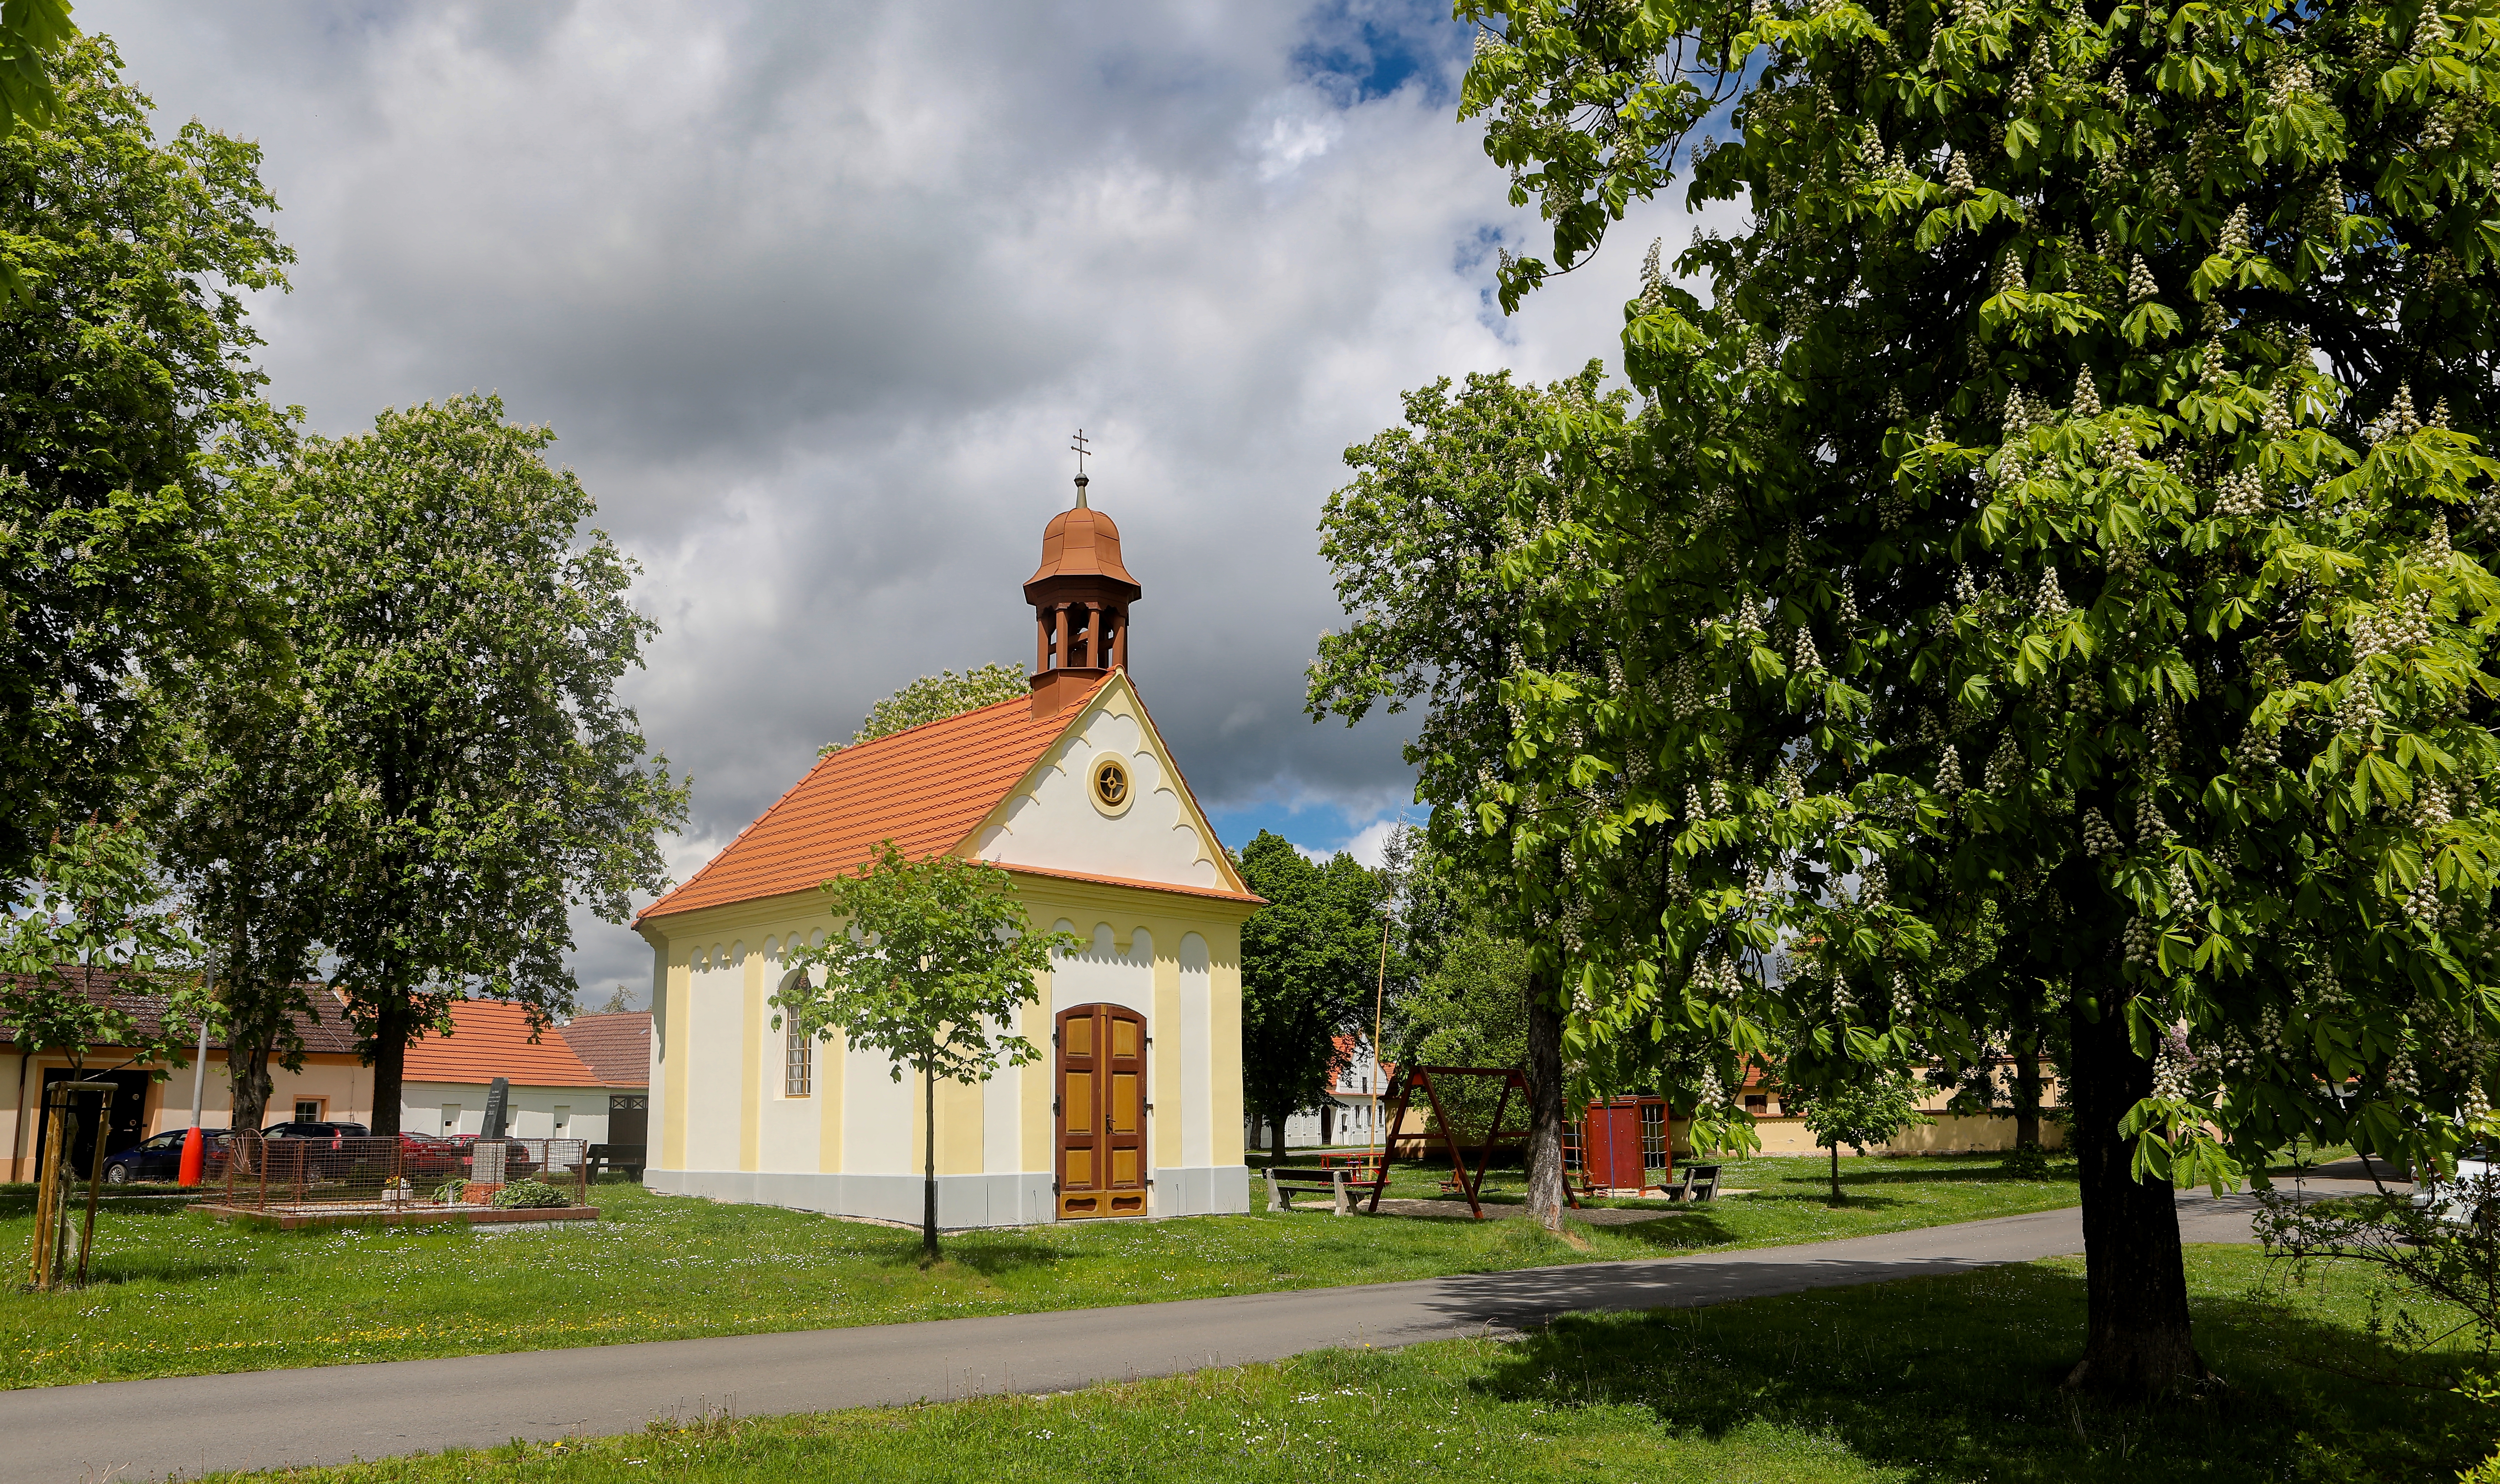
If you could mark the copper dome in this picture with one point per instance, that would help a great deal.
(1082, 543)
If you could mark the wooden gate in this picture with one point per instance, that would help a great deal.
(1102, 1111)
(629, 1118)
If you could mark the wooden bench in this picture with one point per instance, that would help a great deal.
(1284, 1185)
(625, 1159)
(1694, 1183)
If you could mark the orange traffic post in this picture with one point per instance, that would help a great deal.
(195, 1155)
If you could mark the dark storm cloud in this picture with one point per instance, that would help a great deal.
(813, 296)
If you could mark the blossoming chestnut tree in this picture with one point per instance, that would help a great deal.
(2070, 503)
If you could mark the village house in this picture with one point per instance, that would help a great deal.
(1135, 1108)
(333, 1084)
(554, 1091)
(582, 1080)
(1350, 1115)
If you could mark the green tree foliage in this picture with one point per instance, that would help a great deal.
(937, 697)
(1310, 968)
(127, 364)
(459, 639)
(93, 906)
(2072, 497)
(1866, 1106)
(932, 963)
(1425, 543)
(31, 32)
(239, 813)
(1470, 1010)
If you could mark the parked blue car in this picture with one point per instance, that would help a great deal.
(160, 1158)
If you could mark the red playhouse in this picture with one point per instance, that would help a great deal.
(1622, 1146)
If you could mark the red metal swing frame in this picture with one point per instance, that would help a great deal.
(1497, 1138)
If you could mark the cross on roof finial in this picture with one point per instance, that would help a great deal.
(1081, 451)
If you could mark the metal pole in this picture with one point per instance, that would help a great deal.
(200, 1071)
(95, 1179)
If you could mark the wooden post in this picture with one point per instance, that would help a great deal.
(1040, 644)
(1092, 635)
(48, 1194)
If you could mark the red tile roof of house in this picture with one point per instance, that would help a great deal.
(491, 1038)
(616, 1047)
(325, 1030)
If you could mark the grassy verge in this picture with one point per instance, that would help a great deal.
(182, 1295)
(1935, 1379)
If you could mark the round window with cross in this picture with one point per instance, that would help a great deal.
(1111, 786)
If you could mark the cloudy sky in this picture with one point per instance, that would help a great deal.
(814, 294)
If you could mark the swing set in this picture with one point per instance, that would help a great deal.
(1466, 1175)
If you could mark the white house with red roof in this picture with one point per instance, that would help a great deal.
(554, 1093)
(1135, 1108)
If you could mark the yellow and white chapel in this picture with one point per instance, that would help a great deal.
(1134, 1108)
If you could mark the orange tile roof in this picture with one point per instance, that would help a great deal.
(925, 789)
(616, 1048)
(490, 1039)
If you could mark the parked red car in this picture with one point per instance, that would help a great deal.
(425, 1157)
(518, 1163)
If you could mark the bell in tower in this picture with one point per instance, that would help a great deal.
(1080, 597)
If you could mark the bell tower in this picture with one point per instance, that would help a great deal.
(1080, 596)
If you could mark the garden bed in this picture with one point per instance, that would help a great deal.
(358, 1213)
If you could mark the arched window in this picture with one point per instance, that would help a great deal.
(798, 1049)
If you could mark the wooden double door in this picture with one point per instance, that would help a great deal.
(1100, 1103)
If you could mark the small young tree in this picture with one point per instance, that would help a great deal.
(1865, 1108)
(934, 959)
(91, 907)
(934, 698)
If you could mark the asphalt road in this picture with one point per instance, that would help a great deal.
(265, 1419)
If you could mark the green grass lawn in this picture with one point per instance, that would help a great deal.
(1929, 1379)
(179, 1294)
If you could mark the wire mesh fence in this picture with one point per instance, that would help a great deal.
(342, 1172)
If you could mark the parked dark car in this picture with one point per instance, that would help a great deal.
(295, 1129)
(161, 1157)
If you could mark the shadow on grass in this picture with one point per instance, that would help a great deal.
(1852, 1201)
(1000, 1257)
(1679, 1232)
(1956, 1378)
(1874, 1172)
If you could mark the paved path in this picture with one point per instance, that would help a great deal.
(145, 1429)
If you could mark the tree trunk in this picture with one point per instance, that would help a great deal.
(2026, 1098)
(2027, 1073)
(1545, 1102)
(1277, 1137)
(394, 1022)
(928, 1166)
(2137, 1342)
(247, 1077)
(1836, 1172)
